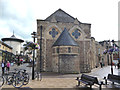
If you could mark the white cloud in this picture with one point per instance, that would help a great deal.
(21, 15)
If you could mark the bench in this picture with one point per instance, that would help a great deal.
(89, 80)
(112, 78)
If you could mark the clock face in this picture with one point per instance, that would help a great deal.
(76, 33)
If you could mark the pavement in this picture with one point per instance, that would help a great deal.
(64, 81)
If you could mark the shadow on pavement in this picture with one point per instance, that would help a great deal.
(59, 89)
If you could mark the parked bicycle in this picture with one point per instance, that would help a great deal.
(12, 79)
(38, 75)
(25, 75)
(18, 78)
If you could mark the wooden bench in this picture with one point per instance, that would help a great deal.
(89, 80)
(112, 78)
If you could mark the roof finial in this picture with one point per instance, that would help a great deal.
(13, 32)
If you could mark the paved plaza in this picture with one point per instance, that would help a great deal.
(55, 80)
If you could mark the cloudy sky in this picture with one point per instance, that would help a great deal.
(20, 16)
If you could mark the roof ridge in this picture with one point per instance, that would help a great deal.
(61, 18)
(67, 14)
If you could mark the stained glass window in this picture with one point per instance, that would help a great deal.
(76, 33)
(53, 32)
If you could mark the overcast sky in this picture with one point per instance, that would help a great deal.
(20, 16)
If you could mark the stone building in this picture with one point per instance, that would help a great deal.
(67, 45)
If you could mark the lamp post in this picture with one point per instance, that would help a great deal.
(118, 64)
(107, 47)
(110, 52)
(112, 49)
(111, 63)
(111, 57)
(34, 36)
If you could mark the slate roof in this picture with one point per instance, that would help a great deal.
(65, 39)
(61, 16)
(12, 38)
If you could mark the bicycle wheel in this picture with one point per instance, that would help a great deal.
(18, 82)
(26, 79)
(1, 81)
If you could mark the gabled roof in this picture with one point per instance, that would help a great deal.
(61, 16)
(65, 39)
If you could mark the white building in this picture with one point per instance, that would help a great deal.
(15, 43)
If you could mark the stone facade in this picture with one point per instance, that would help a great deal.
(66, 60)
(83, 57)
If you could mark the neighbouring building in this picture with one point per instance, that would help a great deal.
(67, 45)
(15, 43)
(5, 51)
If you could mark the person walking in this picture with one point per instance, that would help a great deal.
(115, 64)
(8, 67)
(3, 67)
(101, 64)
(118, 65)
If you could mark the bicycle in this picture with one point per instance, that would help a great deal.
(18, 78)
(38, 75)
(1, 81)
(14, 80)
(25, 75)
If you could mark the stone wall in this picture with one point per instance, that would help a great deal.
(65, 61)
(84, 56)
(68, 63)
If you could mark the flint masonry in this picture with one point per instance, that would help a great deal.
(67, 46)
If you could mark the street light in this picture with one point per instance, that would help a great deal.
(34, 36)
(111, 57)
(111, 63)
(110, 52)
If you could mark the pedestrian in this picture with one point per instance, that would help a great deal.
(118, 65)
(115, 64)
(30, 60)
(8, 67)
(3, 67)
(101, 64)
(21, 61)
